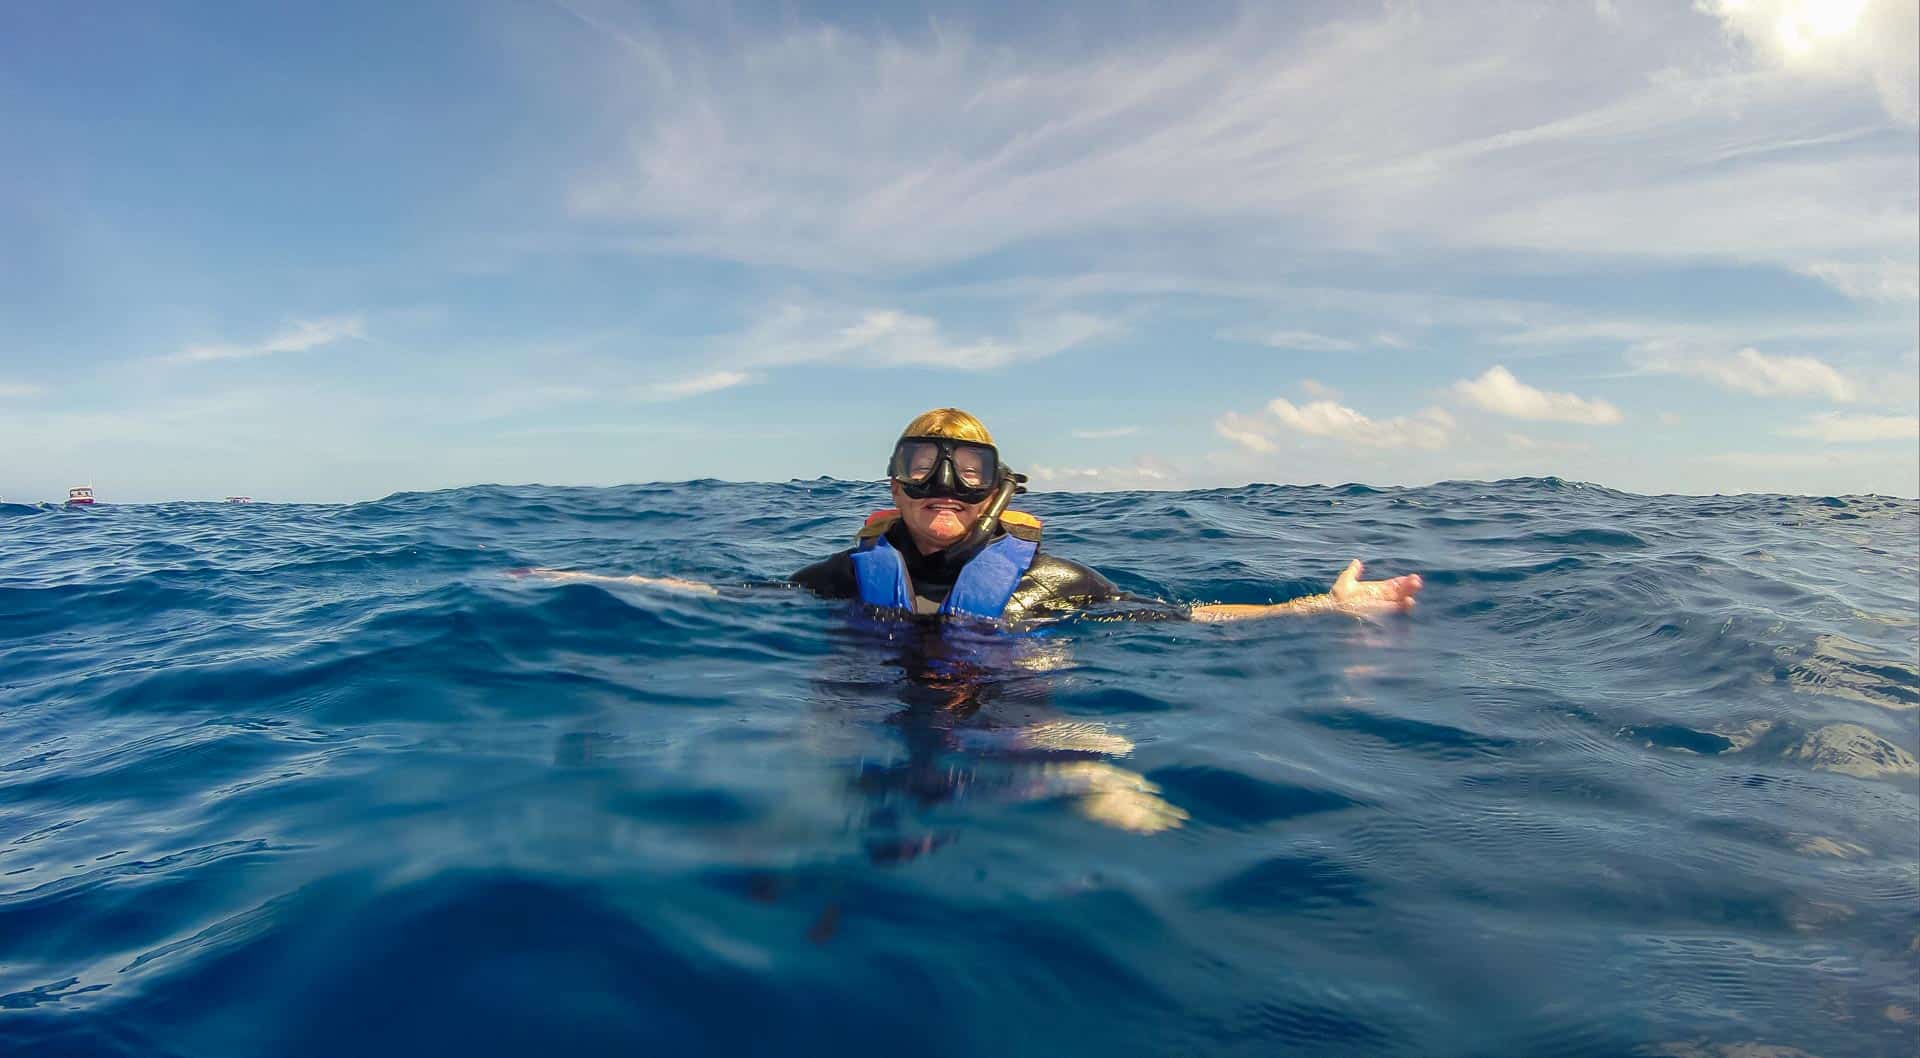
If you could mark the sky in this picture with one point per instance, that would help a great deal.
(330, 252)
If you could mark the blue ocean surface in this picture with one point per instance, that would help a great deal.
(1636, 778)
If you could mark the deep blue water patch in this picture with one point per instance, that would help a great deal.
(1636, 778)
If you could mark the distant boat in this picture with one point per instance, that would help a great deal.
(239, 499)
(80, 496)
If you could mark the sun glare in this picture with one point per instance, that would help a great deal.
(1804, 25)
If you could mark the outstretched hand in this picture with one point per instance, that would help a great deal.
(1352, 595)
(680, 584)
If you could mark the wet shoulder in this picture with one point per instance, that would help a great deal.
(1054, 583)
(832, 576)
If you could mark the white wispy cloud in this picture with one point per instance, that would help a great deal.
(1704, 213)
(797, 334)
(1246, 431)
(1317, 389)
(296, 337)
(1498, 391)
(1532, 325)
(1840, 428)
(1883, 280)
(1106, 434)
(1429, 428)
(695, 385)
(1304, 341)
(1750, 371)
(1656, 143)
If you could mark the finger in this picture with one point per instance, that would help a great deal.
(1348, 577)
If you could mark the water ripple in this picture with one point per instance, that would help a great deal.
(1638, 778)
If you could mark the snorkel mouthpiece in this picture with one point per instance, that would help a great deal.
(1010, 485)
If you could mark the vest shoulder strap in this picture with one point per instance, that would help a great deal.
(1022, 525)
(877, 524)
(990, 578)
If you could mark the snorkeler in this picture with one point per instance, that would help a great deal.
(951, 547)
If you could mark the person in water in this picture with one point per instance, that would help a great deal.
(951, 547)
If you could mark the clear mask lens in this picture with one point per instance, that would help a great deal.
(917, 462)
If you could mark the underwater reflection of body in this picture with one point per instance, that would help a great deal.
(976, 726)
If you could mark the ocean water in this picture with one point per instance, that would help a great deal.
(1637, 777)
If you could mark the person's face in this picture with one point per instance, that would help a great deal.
(938, 523)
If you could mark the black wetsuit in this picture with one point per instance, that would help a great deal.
(1050, 585)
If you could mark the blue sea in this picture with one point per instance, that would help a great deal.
(1636, 778)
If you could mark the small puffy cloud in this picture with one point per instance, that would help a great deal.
(1246, 431)
(1837, 428)
(695, 385)
(1752, 371)
(297, 337)
(1430, 428)
(1498, 391)
(1871, 41)
(18, 389)
(1147, 472)
(1315, 389)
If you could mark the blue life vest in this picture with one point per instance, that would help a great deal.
(985, 583)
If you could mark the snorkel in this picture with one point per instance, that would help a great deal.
(983, 529)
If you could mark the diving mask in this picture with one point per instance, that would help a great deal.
(928, 467)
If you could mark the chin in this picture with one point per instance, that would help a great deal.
(947, 539)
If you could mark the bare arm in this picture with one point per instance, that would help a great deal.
(1349, 595)
(692, 587)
